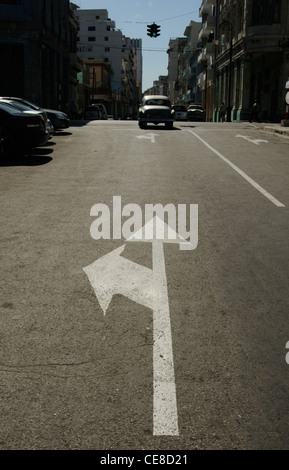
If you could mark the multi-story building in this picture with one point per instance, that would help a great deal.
(99, 40)
(130, 92)
(173, 52)
(37, 43)
(176, 66)
(252, 59)
(191, 93)
(206, 58)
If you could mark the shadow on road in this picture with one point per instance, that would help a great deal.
(36, 157)
(79, 123)
(62, 133)
(160, 128)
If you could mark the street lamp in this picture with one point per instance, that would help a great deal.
(227, 26)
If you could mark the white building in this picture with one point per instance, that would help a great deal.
(98, 39)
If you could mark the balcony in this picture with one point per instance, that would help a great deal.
(207, 54)
(208, 27)
(189, 72)
(205, 77)
(206, 7)
(202, 56)
(190, 96)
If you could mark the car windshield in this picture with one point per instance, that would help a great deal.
(199, 108)
(157, 102)
(18, 105)
(7, 107)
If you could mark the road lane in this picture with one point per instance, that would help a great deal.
(74, 378)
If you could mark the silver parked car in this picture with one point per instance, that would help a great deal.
(180, 112)
(95, 111)
(155, 109)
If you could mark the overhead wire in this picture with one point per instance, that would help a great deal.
(159, 21)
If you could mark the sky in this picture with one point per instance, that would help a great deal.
(132, 18)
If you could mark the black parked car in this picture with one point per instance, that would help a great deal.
(196, 113)
(26, 108)
(21, 131)
(1, 142)
(58, 119)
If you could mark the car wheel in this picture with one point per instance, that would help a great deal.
(142, 125)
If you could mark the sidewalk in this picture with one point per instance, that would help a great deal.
(276, 128)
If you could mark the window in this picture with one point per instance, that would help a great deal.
(107, 49)
(265, 12)
(91, 28)
(91, 38)
(10, 2)
(106, 38)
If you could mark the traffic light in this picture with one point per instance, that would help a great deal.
(150, 30)
(153, 30)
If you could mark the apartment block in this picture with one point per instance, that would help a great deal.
(112, 57)
(191, 67)
(176, 66)
(206, 58)
(37, 49)
(252, 57)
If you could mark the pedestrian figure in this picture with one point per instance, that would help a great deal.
(254, 112)
(222, 112)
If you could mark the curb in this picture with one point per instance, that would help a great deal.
(284, 131)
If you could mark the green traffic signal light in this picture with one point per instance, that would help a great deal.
(156, 30)
(153, 30)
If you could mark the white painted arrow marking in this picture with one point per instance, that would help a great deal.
(254, 141)
(150, 136)
(112, 274)
(165, 419)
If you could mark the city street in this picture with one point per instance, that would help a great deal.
(152, 347)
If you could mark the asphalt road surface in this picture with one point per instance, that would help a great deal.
(116, 345)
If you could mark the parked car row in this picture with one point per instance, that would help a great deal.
(194, 112)
(24, 126)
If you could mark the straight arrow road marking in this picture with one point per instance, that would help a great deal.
(254, 141)
(150, 136)
(165, 420)
(240, 172)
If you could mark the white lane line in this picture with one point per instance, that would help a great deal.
(241, 172)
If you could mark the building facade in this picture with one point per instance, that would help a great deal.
(252, 58)
(37, 44)
(176, 66)
(206, 58)
(191, 70)
(241, 55)
(99, 40)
